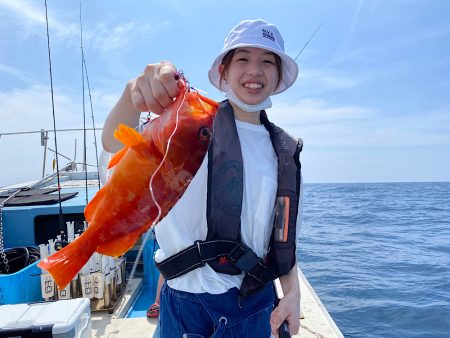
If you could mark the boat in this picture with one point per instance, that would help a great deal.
(31, 218)
(110, 296)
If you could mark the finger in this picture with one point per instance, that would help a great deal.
(275, 333)
(169, 78)
(275, 322)
(160, 94)
(294, 326)
(142, 97)
(181, 83)
(153, 103)
(138, 99)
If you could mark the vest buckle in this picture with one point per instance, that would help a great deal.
(202, 262)
(244, 258)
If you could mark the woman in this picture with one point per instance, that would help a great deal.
(234, 230)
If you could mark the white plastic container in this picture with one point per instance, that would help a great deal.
(69, 318)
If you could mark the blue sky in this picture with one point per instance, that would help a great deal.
(371, 103)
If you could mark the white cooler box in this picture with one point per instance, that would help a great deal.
(61, 319)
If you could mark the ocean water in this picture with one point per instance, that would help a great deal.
(378, 256)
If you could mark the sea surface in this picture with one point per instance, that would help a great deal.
(378, 256)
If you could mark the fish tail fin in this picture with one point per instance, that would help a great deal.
(64, 264)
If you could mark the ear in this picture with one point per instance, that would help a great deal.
(221, 72)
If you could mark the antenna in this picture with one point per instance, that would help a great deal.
(307, 42)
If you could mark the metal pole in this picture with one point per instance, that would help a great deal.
(44, 138)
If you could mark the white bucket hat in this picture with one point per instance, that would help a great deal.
(259, 34)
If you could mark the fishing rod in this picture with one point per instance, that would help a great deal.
(60, 218)
(84, 109)
(83, 71)
(309, 40)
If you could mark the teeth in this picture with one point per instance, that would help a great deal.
(253, 85)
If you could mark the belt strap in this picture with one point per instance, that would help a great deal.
(198, 254)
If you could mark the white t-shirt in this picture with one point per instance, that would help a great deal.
(186, 222)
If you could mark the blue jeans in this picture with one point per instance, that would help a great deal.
(226, 315)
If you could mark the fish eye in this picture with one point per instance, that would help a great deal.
(204, 134)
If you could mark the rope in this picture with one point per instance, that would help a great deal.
(19, 258)
(318, 335)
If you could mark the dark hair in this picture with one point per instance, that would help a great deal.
(229, 56)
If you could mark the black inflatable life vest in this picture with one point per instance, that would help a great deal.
(222, 249)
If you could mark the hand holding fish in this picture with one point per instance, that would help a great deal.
(155, 89)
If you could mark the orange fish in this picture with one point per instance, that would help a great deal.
(124, 208)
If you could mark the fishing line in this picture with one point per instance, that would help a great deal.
(93, 122)
(84, 109)
(157, 219)
(61, 220)
(90, 101)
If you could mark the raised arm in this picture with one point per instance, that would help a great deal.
(152, 91)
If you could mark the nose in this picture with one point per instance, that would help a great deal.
(254, 68)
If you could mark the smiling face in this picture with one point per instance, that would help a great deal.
(252, 74)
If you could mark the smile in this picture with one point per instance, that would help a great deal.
(253, 85)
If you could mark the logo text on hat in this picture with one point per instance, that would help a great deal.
(268, 34)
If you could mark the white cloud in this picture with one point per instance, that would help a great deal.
(29, 13)
(101, 36)
(310, 112)
(330, 79)
(29, 16)
(322, 124)
(348, 143)
(30, 109)
(105, 37)
(24, 76)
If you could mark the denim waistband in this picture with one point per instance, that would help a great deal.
(229, 307)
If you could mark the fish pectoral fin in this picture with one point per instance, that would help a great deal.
(120, 245)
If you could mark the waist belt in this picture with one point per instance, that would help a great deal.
(198, 254)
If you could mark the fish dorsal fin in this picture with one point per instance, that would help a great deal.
(128, 136)
(117, 157)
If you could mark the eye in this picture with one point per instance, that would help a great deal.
(242, 59)
(271, 62)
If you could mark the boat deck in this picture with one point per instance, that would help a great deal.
(316, 321)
